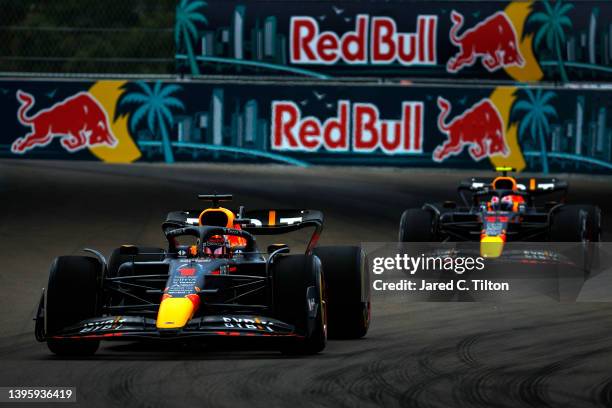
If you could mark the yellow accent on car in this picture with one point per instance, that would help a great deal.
(491, 247)
(174, 313)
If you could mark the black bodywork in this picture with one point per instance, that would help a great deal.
(468, 220)
(234, 293)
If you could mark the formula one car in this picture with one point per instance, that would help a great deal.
(503, 209)
(218, 285)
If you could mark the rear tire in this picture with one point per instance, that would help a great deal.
(417, 225)
(72, 296)
(348, 291)
(298, 279)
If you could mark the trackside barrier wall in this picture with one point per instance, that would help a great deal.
(530, 128)
(513, 41)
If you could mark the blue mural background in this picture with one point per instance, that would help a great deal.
(569, 40)
(556, 129)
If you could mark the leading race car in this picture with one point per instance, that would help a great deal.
(503, 209)
(218, 285)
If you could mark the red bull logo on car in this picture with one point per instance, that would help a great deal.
(79, 121)
(480, 129)
(494, 41)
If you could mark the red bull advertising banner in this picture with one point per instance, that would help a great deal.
(529, 128)
(523, 40)
(79, 120)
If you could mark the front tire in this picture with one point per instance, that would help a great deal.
(299, 299)
(580, 224)
(72, 296)
(417, 225)
(576, 223)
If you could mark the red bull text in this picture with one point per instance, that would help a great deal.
(374, 40)
(357, 128)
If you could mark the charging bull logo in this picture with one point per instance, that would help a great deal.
(494, 40)
(80, 121)
(480, 127)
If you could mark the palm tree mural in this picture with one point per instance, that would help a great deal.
(156, 103)
(534, 112)
(553, 23)
(185, 30)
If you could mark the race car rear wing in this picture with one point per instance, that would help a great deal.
(269, 222)
(535, 186)
(260, 222)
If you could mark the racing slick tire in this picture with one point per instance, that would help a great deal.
(417, 225)
(576, 223)
(299, 299)
(348, 291)
(72, 295)
(132, 254)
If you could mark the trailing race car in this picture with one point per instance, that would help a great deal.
(218, 286)
(503, 209)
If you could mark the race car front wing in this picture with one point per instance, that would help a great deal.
(136, 327)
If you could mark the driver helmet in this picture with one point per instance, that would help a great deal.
(222, 217)
(494, 204)
(506, 203)
(217, 246)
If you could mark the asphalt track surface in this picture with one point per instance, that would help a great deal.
(417, 355)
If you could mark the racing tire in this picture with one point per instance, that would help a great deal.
(417, 225)
(348, 291)
(576, 223)
(298, 285)
(579, 223)
(72, 296)
(139, 254)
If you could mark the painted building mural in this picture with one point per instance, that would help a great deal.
(530, 128)
(553, 40)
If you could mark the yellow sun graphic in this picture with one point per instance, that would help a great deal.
(503, 96)
(107, 93)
